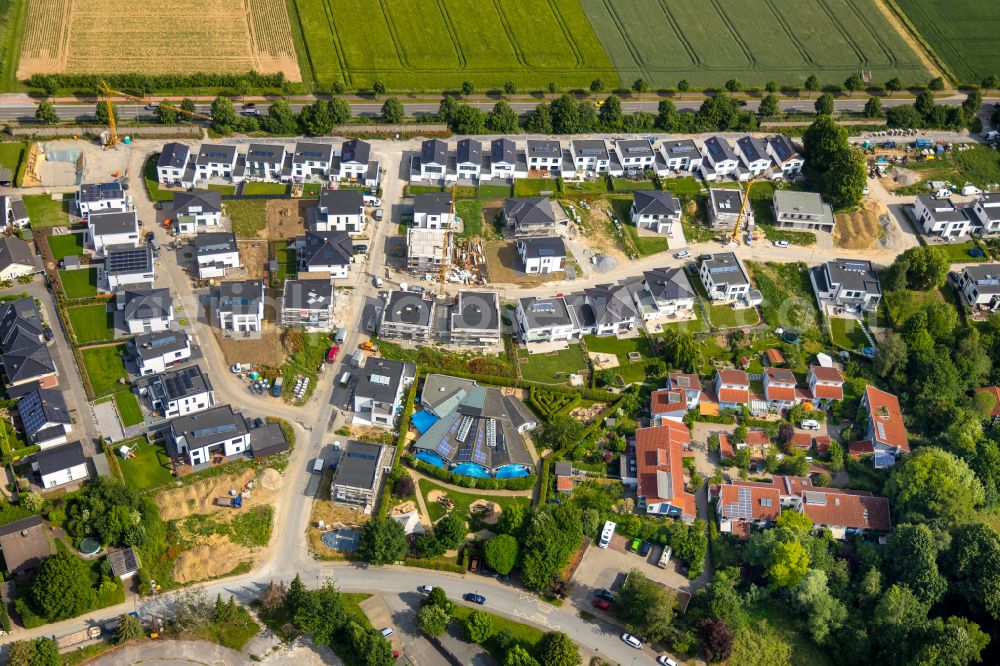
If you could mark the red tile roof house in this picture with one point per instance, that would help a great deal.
(732, 388)
(682, 394)
(744, 505)
(802, 440)
(779, 387)
(886, 429)
(726, 450)
(661, 473)
(825, 384)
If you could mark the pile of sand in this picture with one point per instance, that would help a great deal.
(857, 230)
(435, 495)
(269, 479)
(217, 556)
(488, 511)
(404, 508)
(603, 361)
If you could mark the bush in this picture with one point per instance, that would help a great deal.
(547, 403)
(143, 83)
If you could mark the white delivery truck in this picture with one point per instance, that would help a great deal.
(606, 534)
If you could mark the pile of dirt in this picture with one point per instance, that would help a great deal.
(404, 508)
(269, 479)
(859, 229)
(489, 512)
(286, 218)
(197, 497)
(603, 361)
(216, 556)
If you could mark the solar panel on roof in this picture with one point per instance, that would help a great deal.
(546, 252)
(491, 433)
(741, 507)
(214, 430)
(880, 430)
(722, 269)
(463, 429)
(128, 261)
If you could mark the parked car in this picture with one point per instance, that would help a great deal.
(780, 243)
(378, 282)
(251, 112)
(249, 105)
(425, 589)
(474, 598)
(607, 595)
(634, 546)
(331, 355)
(417, 289)
(372, 200)
(601, 604)
(664, 660)
(47, 333)
(810, 424)
(360, 248)
(378, 214)
(387, 632)
(632, 641)
(152, 106)
(645, 548)
(683, 254)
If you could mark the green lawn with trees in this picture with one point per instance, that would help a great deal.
(149, 468)
(553, 367)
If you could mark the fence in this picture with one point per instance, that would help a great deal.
(164, 131)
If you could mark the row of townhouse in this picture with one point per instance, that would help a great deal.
(581, 158)
(731, 388)
(471, 320)
(184, 166)
(946, 219)
(307, 303)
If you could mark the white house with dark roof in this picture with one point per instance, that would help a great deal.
(851, 284)
(719, 160)
(16, 259)
(604, 309)
(980, 286)
(355, 161)
(590, 157)
(545, 320)
(146, 310)
(786, 156)
(407, 316)
(433, 210)
(359, 474)
(96, 197)
(986, 214)
(635, 154)
(655, 210)
(311, 161)
(325, 252)
(534, 216)
(544, 155)
(474, 320)
(265, 162)
(201, 436)
(173, 164)
(127, 266)
(802, 210)
(941, 217)
(754, 156)
(663, 292)
(338, 210)
(724, 209)
(13, 212)
(308, 304)
(680, 155)
(503, 161)
(469, 159)
(379, 393)
(155, 352)
(179, 392)
(216, 253)
(109, 228)
(724, 277)
(240, 308)
(45, 420)
(431, 165)
(25, 358)
(197, 210)
(542, 255)
(60, 465)
(216, 160)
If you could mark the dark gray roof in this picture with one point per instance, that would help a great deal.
(27, 550)
(27, 363)
(549, 246)
(392, 371)
(943, 210)
(15, 251)
(667, 284)
(782, 147)
(537, 148)
(719, 149)
(183, 383)
(127, 260)
(470, 150)
(434, 151)
(407, 307)
(100, 191)
(214, 153)
(240, 296)
(153, 345)
(307, 295)
(312, 152)
(359, 465)
(268, 440)
(113, 222)
(60, 458)
(210, 201)
(564, 468)
(854, 274)
(634, 148)
(174, 155)
(753, 149)
(503, 150)
(215, 242)
(266, 153)
(342, 202)
(726, 202)
(680, 148)
(985, 276)
(529, 211)
(124, 561)
(432, 203)
(602, 304)
(20, 324)
(327, 248)
(209, 427)
(356, 150)
(40, 407)
(147, 304)
(655, 202)
(725, 268)
(476, 310)
(590, 148)
(542, 312)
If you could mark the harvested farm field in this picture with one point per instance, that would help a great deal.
(157, 37)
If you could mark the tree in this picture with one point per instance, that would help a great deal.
(844, 184)
(991, 82)
(187, 104)
(509, 88)
(788, 564)
(447, 109)
(893, 85)
(812, 83)
(451, 529)
(733, 85)
(382, 541)
(33, 502)
(392, 111)
(557, 649)
(822, 141)
(772, 87)
(717, 639)
(101, 113)
(378, 88)
(640, 85)
(683, 85)
(769, 107)
(166, 113)
(741, 458)
(46, 113)
(786, 431)
(370, 646)
(501, 553)
(565, 115)
(835, 456)
(478, 627)
(315, 118)
(129, 629)
(469, 120)
(340, 111)
(502, 119)
(39, 652)
(873, 108)
(681, 350)
(61, 588)
(223, 114)
(853, 83)
(468, 88)
(933, 486)
(611, 114)
(936, 84)
(432, 620)
(437, 597)
(552, 534)
(560, 432)
(667, 117)
(518, 656)
(973, 103)
(280, 118)
(645, 606)
(911, 559)
(404, 486)
(973, 565)
(924, 103)
(793, 521)
(824, 613)
(539, 121)
(903, 116)
(511, 520)
(597, 85)
(824, 105)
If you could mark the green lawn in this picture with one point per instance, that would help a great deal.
(44, 211)
(415, 190)
(641, 245)
(629, 185)
(598, 186)
(471, 212)
(464, 500)
(304, 362)
(79, 283)
(150, 468)
(847, 334)
(489, 192)
(11, 154)
(682, 187)
(152, 183)
(526, 635)
(222, 189)
(958, 253)
(104, 368)
(788, 297)
(553, 368)
(629, 372)
(92, 323)
(311, 189)
(68, 245)
(726, 316)
(265, 188)
(533, 187)
(128, 408)
(249, 216)
(287, 267)
(697, 325)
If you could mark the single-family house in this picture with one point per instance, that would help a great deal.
(178, 392)
(542, 255)
(25, 543)
(307, 303)
(428, 250)
(359, 474)
(155, 352)
(469, 160)
(534, 216)
(13, 213)
(45, 419)
(60, 465)
(725, 279)
(825, 384)
(94, 197)
(603, 310)
(680, 155)
(635, 154)
(732, 388)
(16, 259)
(545, 320)
(503, 161)
(173, 165)
(802, 210)
(845, 513)
(745, 505)
(885, 427)
(216, 253)
(660, 487)
(124, 563)
(198, 210)
(779, 387)
(433, 210)
(786, 156)
(754, 156)
(431, 165)
(267, 440)
(475, 319)
(355, 161)
(325, 252)
(851, 284)
(378, 395)
(265, 162)
(145, 310)
(681, 394)
(980, 286)
(725, 207)
(986, 214)
(663, 292)
(941, 217)
(719, 160)
(112, 228)
(544, 155)
(25, 357)
(127, 266)
(217, 161)
(201, 436)
(338, 210)
(311, 161)
(655, 210)
(240, 308)
(590, 156)
(407, 316)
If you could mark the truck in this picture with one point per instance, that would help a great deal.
(341, 336)
(231, 502)
(606, 534)
(923, 143)
(279, 383)
(78, 637)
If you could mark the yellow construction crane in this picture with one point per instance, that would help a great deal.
(107, 92)
(444, 250)
(746, 201)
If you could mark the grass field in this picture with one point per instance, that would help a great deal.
(148, 469)
(11, 154)
(128, 408)
(471, 212)
(265, 188)
(963, 33)
(554, 368)
(104, 368)
(464, 500)
(249, 216)
(846, 333)
(630, 372)
(91, 323)
(68, 245)
(79, 283)
(44, 211)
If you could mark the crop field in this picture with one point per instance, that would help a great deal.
(420, 45)
(157, 37)
(963, 33)
(708, 42)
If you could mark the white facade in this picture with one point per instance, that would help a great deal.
(153, 364)
(941, 217)
(590, 157)
(718, 159)
(635, 154)
(264, 162)
(544, 156)
(216, 265)
(545, 320)
(124, 234)
(64, 476)
(198, 220)
(217, 161)
(986, 211)
(150, 325)
(682, 155)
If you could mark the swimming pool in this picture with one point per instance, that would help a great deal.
(430, 458)
(512, 472)
(344, 540)
(423, 420)
(471, 469)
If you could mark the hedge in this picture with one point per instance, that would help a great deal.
(435, 565)
(543, 486)
(150, 83)
(521, 483)
(547, 403)
(584, 393)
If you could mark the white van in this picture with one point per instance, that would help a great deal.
(318, 465)
(810, 424)
(665, 557)
(606, 534)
